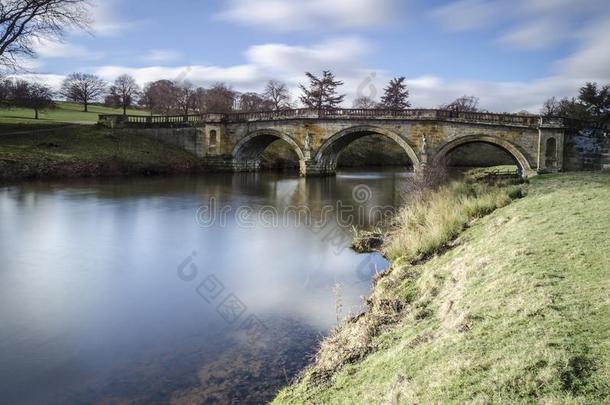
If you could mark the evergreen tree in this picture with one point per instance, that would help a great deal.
(322, 92)
(396, 95)
(596, 101)
(592, 104)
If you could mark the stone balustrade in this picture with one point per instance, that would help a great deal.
(531, 121)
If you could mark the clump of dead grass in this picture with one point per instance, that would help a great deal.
(433, 218)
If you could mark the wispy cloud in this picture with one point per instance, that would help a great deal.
(162, 56)
(339, 54)
(295, 15)
(592, 60)
(523, 23)
(465, 15)
(107, 21)
(48, 48)
(344, 55)
(538, 34)
(535, 25)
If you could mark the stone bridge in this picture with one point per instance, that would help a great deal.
(236, 141)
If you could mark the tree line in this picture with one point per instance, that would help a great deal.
(591, 104)
(320, 92)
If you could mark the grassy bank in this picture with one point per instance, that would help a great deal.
(82, 151)
(514, 308)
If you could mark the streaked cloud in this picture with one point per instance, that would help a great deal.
(47, 48)
(538, 34)
(337, 54)
(592, 60)
(296, 15)
(242, 76)
(162, 56)
(465, 15)
(107, 19)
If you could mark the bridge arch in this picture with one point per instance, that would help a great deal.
(329, 152)
(520, 159)
(247, 152)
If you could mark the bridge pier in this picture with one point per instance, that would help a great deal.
(314, 168)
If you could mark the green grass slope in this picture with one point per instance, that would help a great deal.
(516, 311)
(64, 113)
(77, 151)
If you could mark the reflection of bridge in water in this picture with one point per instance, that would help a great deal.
(236, 141)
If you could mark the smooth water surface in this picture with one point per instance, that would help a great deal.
(210, 289)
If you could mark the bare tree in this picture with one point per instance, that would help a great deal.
(185, 97)
(22, 22)
(5, 92)
(277, 93)
(160, 97)
(396, 95)
(365, 102)
(252, 102)
(124, 92)
(83, 88)
(565, 107)
(200, 100)
(21, 93)
(322, 92)
(220, 98)
(464, 103)
(35, 96)
(146, 98)
(550, 108)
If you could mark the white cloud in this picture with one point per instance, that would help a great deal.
(464, 15)
(525, 23)
(535, 25)
(293, 15)
(344, 56)
(538, 34)
(162, 56)
(242, 76)
(338, 54)
(47, 48)
(51, 80)
(495, 96)
(106, 20)
(592, 61)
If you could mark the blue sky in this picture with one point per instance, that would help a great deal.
(511, 54)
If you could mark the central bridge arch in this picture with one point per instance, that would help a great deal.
(329, 152)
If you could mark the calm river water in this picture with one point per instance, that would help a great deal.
(210, 289)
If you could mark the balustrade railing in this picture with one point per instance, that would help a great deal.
(307, 113)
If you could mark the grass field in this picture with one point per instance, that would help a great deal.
(20, 118)
(515, 310)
